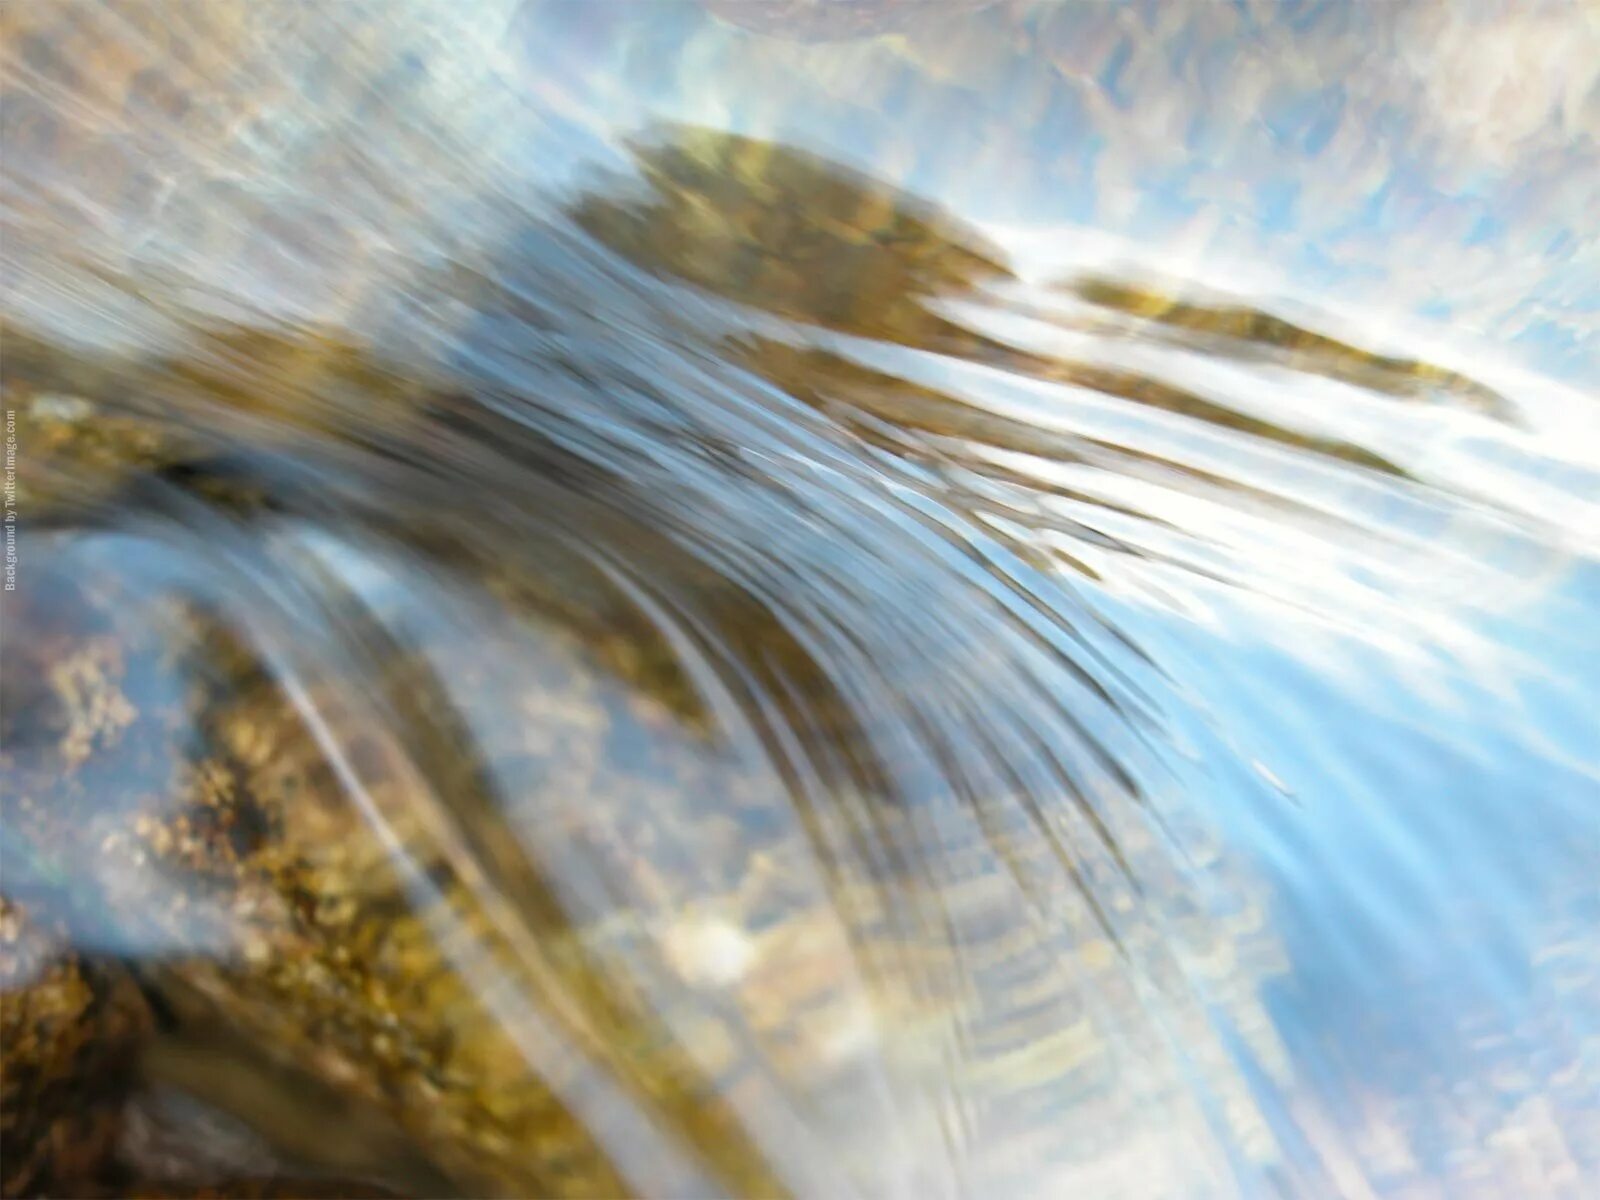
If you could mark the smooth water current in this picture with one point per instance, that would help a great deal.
(835, 599)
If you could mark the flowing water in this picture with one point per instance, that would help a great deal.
(816, 599)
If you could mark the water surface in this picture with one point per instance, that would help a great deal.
(989, 599)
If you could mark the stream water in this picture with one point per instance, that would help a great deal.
(883, 598)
